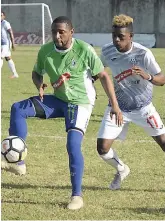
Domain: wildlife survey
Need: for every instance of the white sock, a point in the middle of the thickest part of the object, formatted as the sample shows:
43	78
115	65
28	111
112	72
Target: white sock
1	63
12	67
112	159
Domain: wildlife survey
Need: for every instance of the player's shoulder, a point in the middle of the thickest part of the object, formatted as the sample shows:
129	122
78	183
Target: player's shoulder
108	47
48	47
5	22
142	50
82	44
138	46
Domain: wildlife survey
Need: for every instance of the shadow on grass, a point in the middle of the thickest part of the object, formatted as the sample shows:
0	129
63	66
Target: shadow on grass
28	186
60	204
56	119
5	111
149	210
141	210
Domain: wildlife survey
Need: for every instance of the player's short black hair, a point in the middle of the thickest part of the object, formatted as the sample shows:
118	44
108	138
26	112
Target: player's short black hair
63	19
2	12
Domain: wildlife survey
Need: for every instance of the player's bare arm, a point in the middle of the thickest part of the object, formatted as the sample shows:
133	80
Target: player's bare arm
109	89
12	38
158	79
38	82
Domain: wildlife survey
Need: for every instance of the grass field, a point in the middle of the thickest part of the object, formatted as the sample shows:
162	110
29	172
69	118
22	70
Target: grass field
44	192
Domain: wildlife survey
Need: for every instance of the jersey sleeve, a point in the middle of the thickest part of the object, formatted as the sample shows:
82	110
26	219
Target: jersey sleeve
102	57
7	26
39	65
94	62
150	63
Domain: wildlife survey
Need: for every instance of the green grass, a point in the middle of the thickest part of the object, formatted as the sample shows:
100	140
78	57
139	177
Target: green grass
44	192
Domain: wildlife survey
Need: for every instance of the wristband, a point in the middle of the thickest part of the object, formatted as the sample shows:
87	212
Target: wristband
150	78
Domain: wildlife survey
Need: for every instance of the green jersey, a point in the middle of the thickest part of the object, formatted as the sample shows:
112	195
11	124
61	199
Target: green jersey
70	71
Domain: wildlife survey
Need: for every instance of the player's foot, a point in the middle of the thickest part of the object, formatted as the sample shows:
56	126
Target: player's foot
119	177
14	76
75	203
16	168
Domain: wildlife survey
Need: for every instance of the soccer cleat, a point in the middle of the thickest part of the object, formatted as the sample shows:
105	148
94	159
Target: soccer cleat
16	168
14	76
75	203
119	177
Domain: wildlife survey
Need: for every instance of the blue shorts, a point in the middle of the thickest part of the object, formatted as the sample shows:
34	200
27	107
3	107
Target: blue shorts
76	116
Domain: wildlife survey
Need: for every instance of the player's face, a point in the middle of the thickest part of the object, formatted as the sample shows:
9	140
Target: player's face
2	17
62	35
122	39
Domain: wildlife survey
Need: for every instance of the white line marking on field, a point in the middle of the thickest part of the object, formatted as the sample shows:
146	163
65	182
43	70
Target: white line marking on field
86	138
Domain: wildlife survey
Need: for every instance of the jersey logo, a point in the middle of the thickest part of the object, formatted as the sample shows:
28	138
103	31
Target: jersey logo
133	60
123	75
64	77
113	59
73	63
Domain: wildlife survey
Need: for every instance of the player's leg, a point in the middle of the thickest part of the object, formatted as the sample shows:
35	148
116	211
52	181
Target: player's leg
150	120
3	53
108	132
11	65
76	166
32	107
1	62
76	118
18	127
160	140
22	110
6	53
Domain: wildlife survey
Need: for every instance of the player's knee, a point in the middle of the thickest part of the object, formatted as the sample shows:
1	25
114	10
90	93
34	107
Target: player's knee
15	107
20	108
16	110
103	146
7	58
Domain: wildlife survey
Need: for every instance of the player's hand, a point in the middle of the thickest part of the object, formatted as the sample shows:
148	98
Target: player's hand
118	115
41	91
13	47
139	71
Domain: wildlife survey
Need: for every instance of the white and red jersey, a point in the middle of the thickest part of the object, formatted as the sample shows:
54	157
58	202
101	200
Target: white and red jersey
5	37
133	92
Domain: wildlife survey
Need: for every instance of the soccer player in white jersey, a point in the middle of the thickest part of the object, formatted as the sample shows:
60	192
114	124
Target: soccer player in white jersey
71	64
7	41
134	72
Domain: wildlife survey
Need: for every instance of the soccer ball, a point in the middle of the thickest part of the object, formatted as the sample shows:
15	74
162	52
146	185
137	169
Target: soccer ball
13	149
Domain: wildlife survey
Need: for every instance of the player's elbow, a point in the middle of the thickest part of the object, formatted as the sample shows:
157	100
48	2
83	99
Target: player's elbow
162	82
103	75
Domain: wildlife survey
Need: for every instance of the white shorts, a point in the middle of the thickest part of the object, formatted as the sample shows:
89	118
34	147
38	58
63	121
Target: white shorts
5	51
83	116
148	118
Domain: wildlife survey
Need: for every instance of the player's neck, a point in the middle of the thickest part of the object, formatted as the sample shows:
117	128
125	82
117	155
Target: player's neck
66	48
127	49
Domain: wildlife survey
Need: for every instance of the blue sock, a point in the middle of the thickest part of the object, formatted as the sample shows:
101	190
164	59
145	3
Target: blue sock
76	161
19	112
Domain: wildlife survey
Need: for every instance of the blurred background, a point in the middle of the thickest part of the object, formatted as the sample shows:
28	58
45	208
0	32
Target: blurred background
92	18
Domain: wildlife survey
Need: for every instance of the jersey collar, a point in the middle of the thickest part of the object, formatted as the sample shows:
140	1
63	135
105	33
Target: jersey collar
127	52
64	51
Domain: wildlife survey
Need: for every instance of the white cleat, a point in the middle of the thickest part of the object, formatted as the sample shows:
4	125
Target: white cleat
75	203
16	168
14	76
119	177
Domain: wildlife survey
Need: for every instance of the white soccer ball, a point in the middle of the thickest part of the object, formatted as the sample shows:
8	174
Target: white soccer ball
13	149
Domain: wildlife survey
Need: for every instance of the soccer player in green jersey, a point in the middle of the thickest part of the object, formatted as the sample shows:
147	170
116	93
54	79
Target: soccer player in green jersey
71	65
